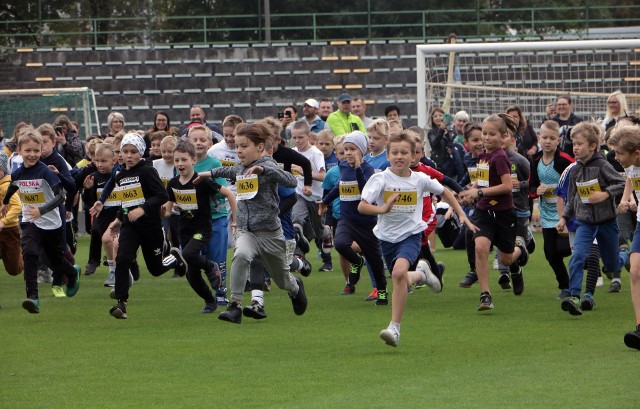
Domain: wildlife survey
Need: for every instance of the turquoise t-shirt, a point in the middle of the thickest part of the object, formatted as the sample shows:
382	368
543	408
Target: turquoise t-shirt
548	207
331	179
378	162
218	207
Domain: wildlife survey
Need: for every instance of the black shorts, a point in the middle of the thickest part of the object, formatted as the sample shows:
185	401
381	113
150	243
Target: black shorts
498	226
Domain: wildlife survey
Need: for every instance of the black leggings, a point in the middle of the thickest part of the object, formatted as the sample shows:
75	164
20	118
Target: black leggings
192	253
556	248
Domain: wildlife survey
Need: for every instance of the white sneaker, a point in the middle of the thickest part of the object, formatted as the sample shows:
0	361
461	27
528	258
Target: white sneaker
390	335
600	282
495	264
429	278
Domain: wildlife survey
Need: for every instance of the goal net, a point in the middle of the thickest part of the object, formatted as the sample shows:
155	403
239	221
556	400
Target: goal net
38	106
486	78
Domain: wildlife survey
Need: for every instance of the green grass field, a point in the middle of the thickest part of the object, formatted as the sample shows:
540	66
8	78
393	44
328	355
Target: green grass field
525	353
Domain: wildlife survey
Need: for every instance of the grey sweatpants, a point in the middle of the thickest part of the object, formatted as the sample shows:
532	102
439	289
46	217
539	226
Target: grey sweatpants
271	247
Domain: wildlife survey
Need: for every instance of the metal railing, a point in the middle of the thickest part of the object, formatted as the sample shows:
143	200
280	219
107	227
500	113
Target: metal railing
376	25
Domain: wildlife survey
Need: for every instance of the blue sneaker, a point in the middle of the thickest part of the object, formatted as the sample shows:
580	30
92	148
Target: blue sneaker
587	303
73	289
32	305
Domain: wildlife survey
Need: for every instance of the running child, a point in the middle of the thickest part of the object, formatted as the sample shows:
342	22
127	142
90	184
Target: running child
353	226
167	171
625	140
201	137
9	230
42	226
546	168
593	185
400	225
192	201
142	194
495	215
259	230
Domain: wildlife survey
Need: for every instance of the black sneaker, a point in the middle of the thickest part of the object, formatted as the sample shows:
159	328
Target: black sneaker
571	305
90	268
354	271
504	281
632	339
531	245
306	266
255	311
486	302
348	289
326	267
470	279
299	301
119	310
181	268
209	308
232	314
615	287
382	298
524	256
518	282
212	271
301	240
439	274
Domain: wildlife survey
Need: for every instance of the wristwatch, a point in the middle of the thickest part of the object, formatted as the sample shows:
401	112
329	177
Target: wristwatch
480	194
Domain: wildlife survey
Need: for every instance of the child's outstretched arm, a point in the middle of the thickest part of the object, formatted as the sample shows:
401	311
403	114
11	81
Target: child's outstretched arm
448	197
367	208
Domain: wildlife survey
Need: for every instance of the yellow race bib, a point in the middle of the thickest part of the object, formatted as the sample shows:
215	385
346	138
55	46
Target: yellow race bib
34	198
186	199
247	187
349	191
406	202
131	195
586	188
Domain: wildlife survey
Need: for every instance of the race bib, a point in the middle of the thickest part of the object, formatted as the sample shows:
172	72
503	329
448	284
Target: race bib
406	202
349	191
32	198
131	195
473	174
514	178
227	162
634	177
114	198
586	188
247	187
186	199
482	172
549	195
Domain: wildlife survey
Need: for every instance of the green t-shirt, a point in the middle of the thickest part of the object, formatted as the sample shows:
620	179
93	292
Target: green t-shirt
218	206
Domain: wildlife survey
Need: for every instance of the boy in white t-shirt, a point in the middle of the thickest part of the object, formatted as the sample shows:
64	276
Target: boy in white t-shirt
399	192
166	171
305	211
225	152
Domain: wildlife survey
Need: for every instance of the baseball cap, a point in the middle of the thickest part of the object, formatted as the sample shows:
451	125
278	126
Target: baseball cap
344	97
312	103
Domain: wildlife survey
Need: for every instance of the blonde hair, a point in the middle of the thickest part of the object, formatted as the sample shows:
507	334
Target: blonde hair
48	131
404	136
552	126
623	106
338	139
591	131
92	146
326	133
103	148
626	137
274	126
169	140
28	134
231	121
202	128
381	126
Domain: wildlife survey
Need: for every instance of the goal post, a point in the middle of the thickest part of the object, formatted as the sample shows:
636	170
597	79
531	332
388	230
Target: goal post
41	105
495	75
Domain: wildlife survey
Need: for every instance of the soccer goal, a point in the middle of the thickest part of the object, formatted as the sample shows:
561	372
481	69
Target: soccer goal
486	78
37	106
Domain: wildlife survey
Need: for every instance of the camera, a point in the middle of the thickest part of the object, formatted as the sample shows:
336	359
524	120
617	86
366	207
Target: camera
58	129
280	115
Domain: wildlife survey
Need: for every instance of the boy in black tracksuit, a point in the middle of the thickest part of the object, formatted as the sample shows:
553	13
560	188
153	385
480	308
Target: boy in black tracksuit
142	194
193	201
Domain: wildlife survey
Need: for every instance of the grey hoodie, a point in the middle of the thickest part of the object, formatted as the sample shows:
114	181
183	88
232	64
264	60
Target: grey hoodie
261	212
609	180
